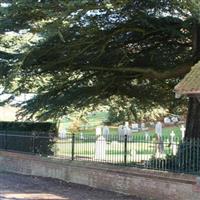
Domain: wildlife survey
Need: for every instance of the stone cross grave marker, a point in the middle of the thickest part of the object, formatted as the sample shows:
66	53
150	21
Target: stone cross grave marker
172	135
182	131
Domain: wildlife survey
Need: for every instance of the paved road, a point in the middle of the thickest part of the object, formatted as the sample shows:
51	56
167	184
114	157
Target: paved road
18	187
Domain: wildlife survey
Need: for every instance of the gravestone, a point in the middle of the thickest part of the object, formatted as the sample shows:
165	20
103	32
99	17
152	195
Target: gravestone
172	136
174	148
147	137
98	131
158	129
182	131
62	134
126	130
174	119
173	143
81	136
106	132
167	120
135	127
143	127
126	124
100	148
120	132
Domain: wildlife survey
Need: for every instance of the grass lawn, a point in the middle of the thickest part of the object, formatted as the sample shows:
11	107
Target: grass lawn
93	120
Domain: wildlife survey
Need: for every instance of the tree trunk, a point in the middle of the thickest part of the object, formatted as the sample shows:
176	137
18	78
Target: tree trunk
193	119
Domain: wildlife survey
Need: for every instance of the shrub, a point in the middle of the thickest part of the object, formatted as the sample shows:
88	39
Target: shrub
30	137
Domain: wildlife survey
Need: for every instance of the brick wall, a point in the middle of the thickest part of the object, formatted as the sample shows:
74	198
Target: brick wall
143	183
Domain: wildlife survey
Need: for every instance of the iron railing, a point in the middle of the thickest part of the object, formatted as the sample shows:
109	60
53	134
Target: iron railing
166	154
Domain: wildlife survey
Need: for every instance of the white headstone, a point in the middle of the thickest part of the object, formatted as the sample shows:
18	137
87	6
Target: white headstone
100	148
62	134
81	136
126	124
143	127
174	149
174	119
146	135
158	129
183	131
172	135
135	127
167	120
98	131
120	132
106	131
127	130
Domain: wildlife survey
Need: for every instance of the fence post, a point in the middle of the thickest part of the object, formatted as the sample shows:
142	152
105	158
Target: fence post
73	144
6	145
125	149
34	149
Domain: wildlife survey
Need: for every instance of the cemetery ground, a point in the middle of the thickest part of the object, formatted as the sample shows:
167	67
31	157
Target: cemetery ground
20	187
139	148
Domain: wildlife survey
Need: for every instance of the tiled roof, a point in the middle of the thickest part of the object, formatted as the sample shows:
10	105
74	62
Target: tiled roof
191	83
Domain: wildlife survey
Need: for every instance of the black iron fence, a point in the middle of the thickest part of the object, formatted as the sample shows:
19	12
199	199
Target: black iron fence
171	154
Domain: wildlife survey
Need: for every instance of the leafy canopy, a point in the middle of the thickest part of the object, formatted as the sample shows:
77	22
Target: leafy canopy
77	54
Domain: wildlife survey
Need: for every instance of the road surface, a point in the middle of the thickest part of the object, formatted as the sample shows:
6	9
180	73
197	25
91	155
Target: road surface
19	187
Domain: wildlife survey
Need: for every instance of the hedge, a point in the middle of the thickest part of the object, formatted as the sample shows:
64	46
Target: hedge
29	137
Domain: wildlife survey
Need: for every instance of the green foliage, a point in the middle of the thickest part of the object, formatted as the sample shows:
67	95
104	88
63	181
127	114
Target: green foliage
38	128
85	52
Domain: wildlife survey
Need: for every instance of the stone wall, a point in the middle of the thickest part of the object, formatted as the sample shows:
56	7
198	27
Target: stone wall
140	182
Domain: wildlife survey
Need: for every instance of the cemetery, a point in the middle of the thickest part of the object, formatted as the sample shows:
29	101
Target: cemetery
123	146
100	99
107	147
